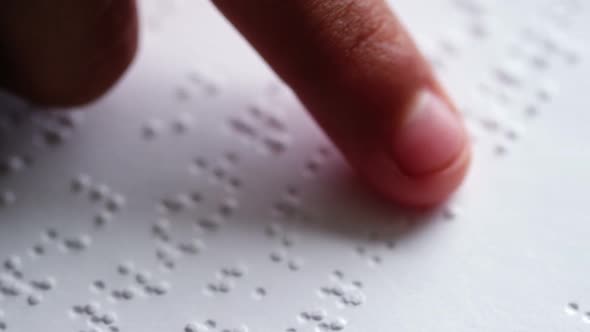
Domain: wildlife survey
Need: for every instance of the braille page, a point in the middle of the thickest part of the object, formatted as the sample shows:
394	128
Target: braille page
199	196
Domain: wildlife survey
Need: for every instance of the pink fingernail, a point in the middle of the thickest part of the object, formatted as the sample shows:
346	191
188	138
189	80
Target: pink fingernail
430	138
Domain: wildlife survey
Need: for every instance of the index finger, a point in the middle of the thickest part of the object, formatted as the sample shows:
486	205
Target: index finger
358	72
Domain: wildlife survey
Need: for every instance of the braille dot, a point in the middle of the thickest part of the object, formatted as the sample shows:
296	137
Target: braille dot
196	197
232	157
260	292
295	265
92	308
34	300
182	123
201	163
338	324
102	218
192	248
51	234
151	129
77	244
235	182
81	182
109	318
211	323
115	202
125	268
176	204
500	150
44	285
242	128
13	263
274	146
317	314
99	285
277	256
78	309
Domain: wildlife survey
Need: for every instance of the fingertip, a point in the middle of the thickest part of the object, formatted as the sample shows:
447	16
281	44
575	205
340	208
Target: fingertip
383	174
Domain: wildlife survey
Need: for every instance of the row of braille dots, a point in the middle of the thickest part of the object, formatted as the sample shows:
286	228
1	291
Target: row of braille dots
504	86
282	256
226	279
261	129
168	251
110	202
219	172
319	317
96	318
318	158
174	206
449	46
178	125
212	325
67	244
198	82
13	283
288	205
8	166
384	240
142	284
54	129
574	309
546	47
346	293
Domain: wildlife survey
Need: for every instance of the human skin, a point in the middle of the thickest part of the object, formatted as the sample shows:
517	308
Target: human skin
351	63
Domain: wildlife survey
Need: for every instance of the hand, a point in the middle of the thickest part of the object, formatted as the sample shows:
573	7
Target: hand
350	62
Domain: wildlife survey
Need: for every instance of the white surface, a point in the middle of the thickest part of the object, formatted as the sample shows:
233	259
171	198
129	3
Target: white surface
282	238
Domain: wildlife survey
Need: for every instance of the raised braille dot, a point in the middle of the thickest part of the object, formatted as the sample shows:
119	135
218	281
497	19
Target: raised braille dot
115	202
77	244
44	285
317	314
211	323
192	248
81	182
51	234
34	299
260	292
338	324
151	129
277	256
109	318
102	218
99	192
13	263
91	308
99	285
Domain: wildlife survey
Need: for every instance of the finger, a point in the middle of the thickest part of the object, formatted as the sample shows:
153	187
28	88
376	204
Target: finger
65	52
360	75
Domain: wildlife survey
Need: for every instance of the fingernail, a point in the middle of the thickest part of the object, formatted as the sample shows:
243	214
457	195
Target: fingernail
430	137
